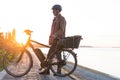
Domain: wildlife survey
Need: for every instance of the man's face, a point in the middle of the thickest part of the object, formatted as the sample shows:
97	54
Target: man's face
56	12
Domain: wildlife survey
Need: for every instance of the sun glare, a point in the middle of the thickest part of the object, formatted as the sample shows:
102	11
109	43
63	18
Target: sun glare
21	38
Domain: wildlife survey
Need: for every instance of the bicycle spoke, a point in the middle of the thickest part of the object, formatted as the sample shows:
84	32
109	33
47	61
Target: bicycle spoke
62	68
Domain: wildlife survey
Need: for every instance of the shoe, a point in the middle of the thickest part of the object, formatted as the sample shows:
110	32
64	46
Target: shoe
58	73
45	72
54	74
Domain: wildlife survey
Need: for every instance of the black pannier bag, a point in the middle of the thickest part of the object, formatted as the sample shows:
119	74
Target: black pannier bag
71	42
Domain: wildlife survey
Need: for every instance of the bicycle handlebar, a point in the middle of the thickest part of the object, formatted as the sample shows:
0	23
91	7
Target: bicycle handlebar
28	32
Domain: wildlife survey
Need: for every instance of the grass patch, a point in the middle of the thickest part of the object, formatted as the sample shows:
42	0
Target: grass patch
8	46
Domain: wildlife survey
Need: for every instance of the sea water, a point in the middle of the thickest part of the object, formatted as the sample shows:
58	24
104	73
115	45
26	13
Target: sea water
106	60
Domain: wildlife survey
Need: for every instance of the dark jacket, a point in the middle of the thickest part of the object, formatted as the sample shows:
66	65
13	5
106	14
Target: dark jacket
58	28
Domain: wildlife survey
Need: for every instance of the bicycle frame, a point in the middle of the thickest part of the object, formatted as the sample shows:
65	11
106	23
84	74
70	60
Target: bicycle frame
29	43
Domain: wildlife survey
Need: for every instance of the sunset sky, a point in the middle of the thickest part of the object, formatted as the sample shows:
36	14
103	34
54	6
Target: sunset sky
98	21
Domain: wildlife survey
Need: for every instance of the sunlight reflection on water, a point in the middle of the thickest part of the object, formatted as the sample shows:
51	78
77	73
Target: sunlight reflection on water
102	59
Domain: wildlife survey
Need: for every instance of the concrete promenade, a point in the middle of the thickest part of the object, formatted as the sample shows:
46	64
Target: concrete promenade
81	73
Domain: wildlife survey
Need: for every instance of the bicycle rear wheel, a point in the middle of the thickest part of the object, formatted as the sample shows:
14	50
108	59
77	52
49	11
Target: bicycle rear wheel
18	66
67	64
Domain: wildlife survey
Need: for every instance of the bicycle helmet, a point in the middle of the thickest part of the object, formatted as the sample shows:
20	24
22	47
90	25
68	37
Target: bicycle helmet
57	7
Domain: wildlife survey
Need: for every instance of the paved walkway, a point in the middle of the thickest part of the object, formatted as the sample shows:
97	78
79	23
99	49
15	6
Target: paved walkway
81	73
2	74
33	74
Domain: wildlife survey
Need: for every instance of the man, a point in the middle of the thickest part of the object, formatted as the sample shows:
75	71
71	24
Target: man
58	25
57	31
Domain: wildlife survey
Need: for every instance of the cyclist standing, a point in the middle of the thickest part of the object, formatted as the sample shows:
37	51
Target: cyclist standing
58	29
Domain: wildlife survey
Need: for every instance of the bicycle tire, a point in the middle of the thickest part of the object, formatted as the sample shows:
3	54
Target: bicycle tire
69	66
17	68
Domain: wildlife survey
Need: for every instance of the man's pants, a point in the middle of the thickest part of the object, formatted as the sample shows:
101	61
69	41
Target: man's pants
53	49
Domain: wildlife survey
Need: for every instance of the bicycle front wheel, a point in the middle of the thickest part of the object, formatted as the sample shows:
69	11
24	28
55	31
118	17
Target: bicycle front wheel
65	65
19	64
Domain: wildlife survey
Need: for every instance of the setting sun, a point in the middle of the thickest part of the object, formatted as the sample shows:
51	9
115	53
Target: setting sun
21	38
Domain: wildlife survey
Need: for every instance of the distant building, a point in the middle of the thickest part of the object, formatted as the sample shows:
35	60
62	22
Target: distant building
13	35
1	35
8	35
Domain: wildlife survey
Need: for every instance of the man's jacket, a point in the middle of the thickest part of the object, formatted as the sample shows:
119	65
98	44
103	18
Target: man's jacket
58	28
